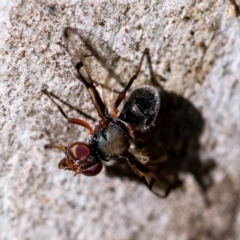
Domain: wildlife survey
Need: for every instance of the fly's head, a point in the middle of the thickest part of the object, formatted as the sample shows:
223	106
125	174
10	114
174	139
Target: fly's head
80	160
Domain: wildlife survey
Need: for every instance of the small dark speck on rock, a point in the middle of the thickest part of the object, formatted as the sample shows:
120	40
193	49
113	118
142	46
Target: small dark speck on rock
71	204
51	9
112	189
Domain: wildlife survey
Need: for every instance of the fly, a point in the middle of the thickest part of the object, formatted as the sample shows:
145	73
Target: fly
115	131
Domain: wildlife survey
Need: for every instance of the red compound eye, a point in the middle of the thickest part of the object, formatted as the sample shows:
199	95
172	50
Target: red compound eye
78	151
93	170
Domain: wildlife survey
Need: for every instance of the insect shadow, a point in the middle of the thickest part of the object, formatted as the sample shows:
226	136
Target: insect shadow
176	134
175	142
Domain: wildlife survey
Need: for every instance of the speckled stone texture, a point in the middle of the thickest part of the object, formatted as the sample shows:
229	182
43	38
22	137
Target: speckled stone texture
195	53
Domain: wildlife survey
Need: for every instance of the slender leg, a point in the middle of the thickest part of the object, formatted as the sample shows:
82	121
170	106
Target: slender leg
124	91
72	107
62	148
97	101
106	87
78	110
152	75
132	162
71	120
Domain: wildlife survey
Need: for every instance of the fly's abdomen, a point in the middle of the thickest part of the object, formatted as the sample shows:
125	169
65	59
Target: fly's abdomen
141	108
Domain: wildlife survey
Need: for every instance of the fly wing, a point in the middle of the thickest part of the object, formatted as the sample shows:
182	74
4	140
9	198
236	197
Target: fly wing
83	48
141	108
154	176
159	186
77	46
87	48
159	174
159	180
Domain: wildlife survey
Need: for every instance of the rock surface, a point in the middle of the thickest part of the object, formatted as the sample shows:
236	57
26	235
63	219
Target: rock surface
195	54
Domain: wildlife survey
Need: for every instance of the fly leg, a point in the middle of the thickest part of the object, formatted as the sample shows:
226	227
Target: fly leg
89	83
154	81
124	91
71	120
72	107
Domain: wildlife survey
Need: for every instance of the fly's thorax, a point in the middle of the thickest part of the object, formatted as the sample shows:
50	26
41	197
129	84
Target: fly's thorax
111	141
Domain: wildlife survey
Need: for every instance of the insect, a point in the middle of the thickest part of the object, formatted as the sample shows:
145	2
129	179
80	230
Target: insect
114	132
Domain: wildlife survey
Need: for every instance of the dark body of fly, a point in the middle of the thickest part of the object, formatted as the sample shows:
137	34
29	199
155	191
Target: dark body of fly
114	139
141	108
111	141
